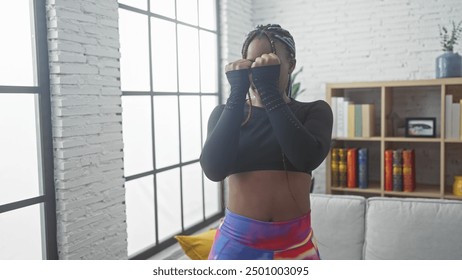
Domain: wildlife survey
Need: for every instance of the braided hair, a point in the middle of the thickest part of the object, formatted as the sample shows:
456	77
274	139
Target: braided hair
272	32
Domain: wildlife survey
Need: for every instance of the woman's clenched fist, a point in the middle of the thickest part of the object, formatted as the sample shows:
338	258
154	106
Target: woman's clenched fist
266	60
238	65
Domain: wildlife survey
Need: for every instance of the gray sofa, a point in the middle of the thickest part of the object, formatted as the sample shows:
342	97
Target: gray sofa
353	227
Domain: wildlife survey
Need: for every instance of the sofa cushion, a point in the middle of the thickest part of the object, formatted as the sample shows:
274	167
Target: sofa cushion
405	228
338	225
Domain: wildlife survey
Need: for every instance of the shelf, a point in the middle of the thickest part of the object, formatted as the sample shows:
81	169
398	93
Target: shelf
428	191
437	159
374	188
451	196
452	141
357	139
410	139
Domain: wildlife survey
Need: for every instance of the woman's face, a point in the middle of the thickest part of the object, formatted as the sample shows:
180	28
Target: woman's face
260	46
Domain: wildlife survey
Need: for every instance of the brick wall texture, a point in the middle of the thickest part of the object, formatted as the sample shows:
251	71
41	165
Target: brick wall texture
87	128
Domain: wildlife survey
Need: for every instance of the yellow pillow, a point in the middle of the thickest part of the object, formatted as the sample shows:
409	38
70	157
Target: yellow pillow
197	247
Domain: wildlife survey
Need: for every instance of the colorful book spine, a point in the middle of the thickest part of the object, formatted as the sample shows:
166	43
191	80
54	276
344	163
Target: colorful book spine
448	117
408	170
333	106
342	168
335	167
368	120
340	117
388	170
397	170
352	178
363	176
456	120
351	120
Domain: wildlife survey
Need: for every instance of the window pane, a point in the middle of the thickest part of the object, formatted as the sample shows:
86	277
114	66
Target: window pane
17	38
207	14
169	201
19	161
163	7
167	138
212	197
188	58
209	70
134	49
21	234
190	128
192	194
208	104
137	134
164	74
140	4
139	196
187	11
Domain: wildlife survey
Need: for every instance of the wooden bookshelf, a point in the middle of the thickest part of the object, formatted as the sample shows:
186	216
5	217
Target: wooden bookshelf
438	159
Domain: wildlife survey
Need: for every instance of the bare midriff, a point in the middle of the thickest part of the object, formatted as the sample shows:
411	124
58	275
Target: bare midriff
269	195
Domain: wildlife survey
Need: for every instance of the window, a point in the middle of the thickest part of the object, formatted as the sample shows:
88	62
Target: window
169	79
27	200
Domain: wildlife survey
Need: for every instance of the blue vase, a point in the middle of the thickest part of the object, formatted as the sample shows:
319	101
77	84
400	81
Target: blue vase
448	65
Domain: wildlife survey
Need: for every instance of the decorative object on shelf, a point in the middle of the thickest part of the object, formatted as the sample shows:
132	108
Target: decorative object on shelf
420	127
449	63
457	186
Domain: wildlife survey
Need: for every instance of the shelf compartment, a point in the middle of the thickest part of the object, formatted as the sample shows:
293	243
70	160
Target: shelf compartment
407	102
453	165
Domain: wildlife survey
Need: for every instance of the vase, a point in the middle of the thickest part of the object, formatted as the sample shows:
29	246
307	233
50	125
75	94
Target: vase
448	65
457	186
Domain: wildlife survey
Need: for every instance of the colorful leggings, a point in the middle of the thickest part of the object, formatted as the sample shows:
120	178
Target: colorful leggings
242	238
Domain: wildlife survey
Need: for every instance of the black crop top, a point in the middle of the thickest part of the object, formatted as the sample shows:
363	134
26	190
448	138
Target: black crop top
291	136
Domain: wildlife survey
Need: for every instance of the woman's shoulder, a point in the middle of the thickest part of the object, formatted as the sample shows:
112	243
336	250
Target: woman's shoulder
317	105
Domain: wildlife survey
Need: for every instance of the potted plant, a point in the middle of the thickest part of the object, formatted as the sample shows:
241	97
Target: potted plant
295	86
449	63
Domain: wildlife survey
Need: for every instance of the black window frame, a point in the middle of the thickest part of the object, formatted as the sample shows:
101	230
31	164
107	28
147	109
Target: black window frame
42	89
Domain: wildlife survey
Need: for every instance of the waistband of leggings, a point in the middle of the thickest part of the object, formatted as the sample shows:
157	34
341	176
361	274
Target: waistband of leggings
279	235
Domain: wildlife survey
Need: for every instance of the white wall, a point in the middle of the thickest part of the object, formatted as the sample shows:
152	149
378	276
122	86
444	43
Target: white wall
87	129
359	40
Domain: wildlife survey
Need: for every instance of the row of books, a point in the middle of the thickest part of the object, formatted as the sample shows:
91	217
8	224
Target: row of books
349	167
352	120
453	127
400	170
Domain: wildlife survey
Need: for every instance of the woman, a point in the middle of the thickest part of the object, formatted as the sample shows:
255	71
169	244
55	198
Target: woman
267	146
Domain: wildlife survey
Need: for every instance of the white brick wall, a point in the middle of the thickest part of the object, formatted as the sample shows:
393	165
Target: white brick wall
87	131
359	40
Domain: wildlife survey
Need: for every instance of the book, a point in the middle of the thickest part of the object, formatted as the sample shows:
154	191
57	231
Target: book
352	178
333	106
358	120
342	168
408	170
334	167
363	174
448	117
351	120
397	170
388	170
340	117
368	120
460	119
456	120
346	105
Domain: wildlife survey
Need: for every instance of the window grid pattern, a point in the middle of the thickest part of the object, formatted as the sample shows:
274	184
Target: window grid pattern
182	166
40	89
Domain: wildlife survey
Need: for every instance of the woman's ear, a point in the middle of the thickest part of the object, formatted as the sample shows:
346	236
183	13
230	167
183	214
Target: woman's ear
292	65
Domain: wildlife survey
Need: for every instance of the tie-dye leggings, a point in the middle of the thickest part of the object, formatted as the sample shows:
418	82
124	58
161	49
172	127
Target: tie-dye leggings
242	238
